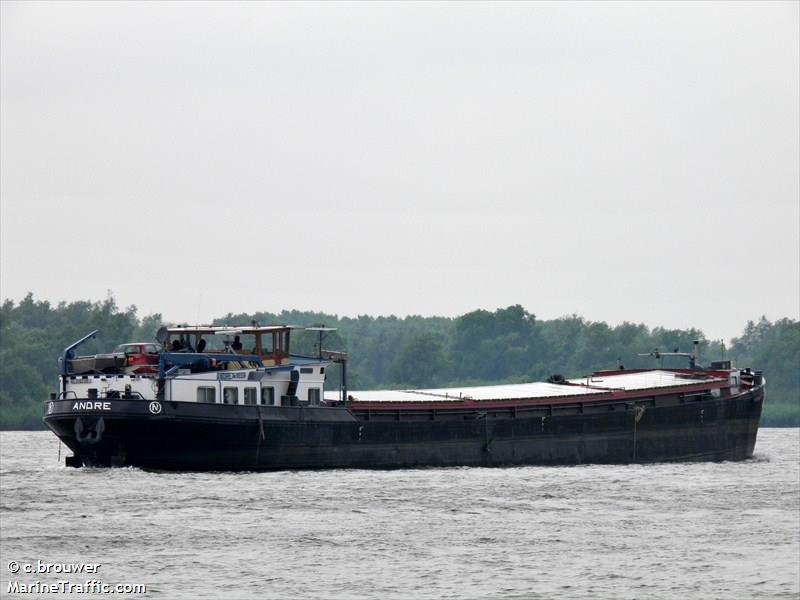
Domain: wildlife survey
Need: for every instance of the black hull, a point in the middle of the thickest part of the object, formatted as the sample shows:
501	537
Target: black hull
190	436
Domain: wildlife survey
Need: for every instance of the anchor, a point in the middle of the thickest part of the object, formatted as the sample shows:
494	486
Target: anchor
86	435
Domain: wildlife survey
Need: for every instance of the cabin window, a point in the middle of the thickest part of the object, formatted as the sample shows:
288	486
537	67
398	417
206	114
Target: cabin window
313	395
244	343
207	395
267	343
285	344
214	342
321	370
250	395
230	395
306	370
268	395
186	344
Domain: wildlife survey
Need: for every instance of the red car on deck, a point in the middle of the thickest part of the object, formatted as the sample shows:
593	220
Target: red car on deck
140	357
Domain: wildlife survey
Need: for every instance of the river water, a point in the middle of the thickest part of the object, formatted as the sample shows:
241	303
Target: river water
699	530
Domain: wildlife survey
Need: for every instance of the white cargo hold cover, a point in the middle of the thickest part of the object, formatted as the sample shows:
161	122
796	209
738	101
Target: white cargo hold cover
519	391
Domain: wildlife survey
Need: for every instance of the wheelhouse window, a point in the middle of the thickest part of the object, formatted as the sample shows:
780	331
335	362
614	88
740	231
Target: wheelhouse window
268	396
267	342
285	344
180	344
250	395
213	342
230	395
244	343
207	395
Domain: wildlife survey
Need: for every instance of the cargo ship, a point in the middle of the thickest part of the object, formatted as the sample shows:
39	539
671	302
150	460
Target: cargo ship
225	398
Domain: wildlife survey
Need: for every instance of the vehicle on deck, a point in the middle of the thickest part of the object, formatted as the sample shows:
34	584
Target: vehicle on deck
140	357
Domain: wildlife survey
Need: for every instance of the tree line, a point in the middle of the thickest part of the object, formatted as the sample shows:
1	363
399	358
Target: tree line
508	345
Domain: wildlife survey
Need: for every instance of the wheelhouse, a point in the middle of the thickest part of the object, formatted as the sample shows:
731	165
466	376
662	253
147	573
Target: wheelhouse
270	343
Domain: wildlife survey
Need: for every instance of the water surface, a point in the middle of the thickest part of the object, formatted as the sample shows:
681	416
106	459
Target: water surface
694	530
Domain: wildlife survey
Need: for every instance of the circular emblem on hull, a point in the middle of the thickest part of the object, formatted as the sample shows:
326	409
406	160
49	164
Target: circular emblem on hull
155	407
50	406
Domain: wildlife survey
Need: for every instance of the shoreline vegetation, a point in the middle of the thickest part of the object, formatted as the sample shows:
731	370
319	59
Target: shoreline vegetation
508	345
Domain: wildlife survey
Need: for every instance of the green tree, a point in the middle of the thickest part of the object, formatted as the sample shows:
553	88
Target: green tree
420	362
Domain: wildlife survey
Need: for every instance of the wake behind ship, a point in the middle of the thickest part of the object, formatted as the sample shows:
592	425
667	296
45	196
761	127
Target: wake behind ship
223	398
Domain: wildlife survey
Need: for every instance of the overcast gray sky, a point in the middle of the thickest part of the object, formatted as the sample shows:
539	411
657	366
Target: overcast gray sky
623	161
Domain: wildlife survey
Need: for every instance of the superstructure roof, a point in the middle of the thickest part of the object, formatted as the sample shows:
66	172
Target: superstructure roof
227	328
